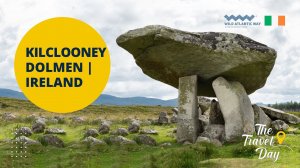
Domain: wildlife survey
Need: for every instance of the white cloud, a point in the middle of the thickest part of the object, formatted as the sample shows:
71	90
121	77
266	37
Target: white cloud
114	17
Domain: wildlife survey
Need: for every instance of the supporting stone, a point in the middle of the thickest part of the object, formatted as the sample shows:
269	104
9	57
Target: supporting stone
236	108
188	125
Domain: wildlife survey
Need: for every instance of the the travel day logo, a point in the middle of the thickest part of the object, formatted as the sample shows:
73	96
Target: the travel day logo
264	141
246	21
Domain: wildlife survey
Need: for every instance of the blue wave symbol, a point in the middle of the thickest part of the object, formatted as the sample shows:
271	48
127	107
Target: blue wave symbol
242	18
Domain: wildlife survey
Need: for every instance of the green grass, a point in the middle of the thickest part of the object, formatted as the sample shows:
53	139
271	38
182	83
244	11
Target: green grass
79	155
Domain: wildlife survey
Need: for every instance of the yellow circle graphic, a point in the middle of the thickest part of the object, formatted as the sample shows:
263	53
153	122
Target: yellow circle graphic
62	65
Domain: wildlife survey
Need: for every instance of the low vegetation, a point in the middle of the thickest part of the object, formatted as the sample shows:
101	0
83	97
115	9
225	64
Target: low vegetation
79	155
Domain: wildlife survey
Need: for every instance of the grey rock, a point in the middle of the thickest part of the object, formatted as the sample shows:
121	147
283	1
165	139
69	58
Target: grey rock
104	127
236	108
149	131
23	131
260	117
163	118
25	141
145	140
185	143
8	116
120	140
204	119
78	120
281	115
202	139
175	110
165	54
93	141
214	131
173	119
51	140
91	133
279	125
55	131
166	144
204	103
216	142
59	119
134	127
40	119
121	131
215	115
38	127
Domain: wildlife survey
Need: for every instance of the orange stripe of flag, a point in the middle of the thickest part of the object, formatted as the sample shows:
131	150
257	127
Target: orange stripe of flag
281	20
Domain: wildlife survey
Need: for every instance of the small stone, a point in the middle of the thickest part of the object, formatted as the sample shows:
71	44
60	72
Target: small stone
8	117
163	119
166	144
26	141
93	141
120	140
175	110
214	131
104	127
23	131
51	140
134	127
187	143
149	131
91	133
78	120
279	125
145	140
55	131
38	127
202	139
173	119
121	131
216	142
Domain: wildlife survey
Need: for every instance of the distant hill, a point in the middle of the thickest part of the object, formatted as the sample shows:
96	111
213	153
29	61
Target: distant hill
12	94
106	99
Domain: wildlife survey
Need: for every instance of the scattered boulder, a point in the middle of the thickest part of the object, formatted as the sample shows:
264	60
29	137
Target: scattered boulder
236	108
279	125
51	140
260	117
280	115
215	115
60	119
175	110
91	133
26	141
8	117
214	131
173	119
202	139
31	117
149	131
163	119
166	144
121	131
78	120
38	127
53	121
119	140
93	141
41	120
104	127
134	127
216	142
203	103
55	131
23	131
145	140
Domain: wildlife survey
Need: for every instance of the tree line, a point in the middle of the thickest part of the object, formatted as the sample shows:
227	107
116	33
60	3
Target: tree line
287	106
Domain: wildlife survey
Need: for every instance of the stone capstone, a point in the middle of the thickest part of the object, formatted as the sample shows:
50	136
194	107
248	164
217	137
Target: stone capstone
166	54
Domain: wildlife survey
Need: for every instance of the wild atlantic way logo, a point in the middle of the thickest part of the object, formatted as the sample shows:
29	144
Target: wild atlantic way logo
241	21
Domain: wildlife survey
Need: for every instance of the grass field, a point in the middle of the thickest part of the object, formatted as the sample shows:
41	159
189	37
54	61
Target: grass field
79	155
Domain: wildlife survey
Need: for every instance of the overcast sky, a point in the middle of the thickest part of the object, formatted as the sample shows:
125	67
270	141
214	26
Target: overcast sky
114	17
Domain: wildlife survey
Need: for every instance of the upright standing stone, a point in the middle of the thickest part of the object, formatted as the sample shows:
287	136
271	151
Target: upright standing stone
236	108
188	125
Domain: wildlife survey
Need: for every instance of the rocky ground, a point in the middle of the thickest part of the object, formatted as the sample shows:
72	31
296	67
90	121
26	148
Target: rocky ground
110	136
